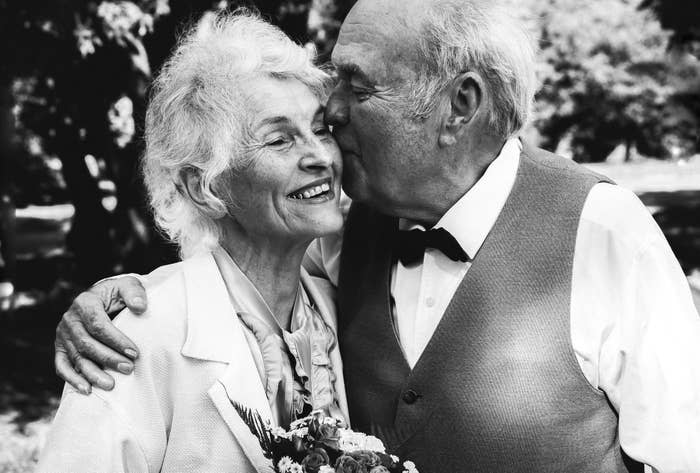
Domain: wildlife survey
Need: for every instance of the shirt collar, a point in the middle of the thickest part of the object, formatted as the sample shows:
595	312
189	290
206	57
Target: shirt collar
471	218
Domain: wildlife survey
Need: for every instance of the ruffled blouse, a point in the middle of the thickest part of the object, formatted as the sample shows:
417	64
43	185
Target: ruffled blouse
294	365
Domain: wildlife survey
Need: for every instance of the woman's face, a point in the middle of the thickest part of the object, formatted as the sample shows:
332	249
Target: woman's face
291	189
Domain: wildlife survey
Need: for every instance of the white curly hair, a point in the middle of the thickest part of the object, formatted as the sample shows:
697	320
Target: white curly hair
196	119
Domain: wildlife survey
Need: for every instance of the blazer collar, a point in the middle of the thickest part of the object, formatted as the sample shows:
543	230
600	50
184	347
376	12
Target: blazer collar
211	318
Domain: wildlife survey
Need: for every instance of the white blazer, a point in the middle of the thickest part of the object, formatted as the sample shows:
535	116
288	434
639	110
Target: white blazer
174	413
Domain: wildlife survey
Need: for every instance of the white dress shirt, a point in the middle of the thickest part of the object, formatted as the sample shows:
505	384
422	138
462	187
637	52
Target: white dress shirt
634	328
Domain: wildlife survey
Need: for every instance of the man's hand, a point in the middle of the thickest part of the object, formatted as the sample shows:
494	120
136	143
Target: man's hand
86	339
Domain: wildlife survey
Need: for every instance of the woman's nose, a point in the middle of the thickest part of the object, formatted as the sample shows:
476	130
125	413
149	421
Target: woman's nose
317	157
337	109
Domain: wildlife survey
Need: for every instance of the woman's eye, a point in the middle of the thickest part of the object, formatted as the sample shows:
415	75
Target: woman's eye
278	142
322	131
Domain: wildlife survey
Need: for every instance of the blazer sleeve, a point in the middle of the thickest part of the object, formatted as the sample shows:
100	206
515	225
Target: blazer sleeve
90	435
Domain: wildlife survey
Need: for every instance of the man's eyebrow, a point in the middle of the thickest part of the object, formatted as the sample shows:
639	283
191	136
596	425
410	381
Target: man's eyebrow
352	70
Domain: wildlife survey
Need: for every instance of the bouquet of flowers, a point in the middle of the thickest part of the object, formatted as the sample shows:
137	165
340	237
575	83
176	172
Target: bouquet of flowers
322	444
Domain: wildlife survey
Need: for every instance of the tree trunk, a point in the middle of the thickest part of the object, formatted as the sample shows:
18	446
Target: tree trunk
7	207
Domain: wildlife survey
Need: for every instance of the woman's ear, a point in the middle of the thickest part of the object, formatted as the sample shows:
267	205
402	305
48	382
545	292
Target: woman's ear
466	95
191	186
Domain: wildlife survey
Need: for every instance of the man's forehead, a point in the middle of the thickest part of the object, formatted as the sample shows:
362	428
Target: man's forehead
388	13
373	36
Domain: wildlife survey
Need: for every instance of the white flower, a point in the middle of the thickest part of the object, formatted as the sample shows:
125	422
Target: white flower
162	8
326	469
394	458
410	467
278	432
296	468
301	432
285	465
86	47
351	441
332	421
374	444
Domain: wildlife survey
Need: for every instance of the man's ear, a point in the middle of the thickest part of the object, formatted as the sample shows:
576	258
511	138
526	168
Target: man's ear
466	95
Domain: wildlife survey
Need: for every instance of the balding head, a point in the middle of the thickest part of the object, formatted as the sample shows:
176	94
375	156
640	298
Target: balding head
440	39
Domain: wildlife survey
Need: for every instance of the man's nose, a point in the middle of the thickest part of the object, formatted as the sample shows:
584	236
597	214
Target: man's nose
337	109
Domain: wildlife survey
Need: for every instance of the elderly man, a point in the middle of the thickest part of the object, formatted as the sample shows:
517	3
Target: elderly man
501	308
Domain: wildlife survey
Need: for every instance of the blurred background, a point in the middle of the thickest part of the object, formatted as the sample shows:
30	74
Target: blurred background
620	92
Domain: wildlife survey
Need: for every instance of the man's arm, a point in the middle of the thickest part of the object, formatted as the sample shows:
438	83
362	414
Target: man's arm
87	341
656	386
635	330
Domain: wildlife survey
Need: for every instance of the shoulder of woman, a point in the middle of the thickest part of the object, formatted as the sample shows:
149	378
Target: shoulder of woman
172	292
164	322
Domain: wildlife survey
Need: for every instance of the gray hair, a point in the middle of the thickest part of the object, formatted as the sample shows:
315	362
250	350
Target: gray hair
480	36
196	121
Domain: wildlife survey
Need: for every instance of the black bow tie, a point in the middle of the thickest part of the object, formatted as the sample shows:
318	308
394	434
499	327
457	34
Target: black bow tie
410	245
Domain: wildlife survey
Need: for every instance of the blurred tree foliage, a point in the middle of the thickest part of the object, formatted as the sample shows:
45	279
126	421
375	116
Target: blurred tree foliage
611	75
682	17
74	77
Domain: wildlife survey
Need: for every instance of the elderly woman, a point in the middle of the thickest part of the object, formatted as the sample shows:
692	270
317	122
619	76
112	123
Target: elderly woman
243	175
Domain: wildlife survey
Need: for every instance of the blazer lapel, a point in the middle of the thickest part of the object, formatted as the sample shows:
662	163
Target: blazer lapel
239	384
214	333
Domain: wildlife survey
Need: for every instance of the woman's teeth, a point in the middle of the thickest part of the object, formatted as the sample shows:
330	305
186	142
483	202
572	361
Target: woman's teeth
312	192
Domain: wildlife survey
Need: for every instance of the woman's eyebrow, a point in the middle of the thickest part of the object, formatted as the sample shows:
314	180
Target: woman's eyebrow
277	120
320	111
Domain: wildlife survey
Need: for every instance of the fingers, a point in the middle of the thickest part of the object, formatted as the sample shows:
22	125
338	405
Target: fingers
119	291
93	349
90	329
75	368
80	338
89	370
64	369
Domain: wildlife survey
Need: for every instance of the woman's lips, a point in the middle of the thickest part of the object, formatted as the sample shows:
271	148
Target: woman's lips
320	189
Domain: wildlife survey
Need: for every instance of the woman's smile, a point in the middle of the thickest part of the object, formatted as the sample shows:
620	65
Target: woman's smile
317	192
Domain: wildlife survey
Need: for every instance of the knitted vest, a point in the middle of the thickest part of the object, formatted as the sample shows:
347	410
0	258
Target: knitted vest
498	387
